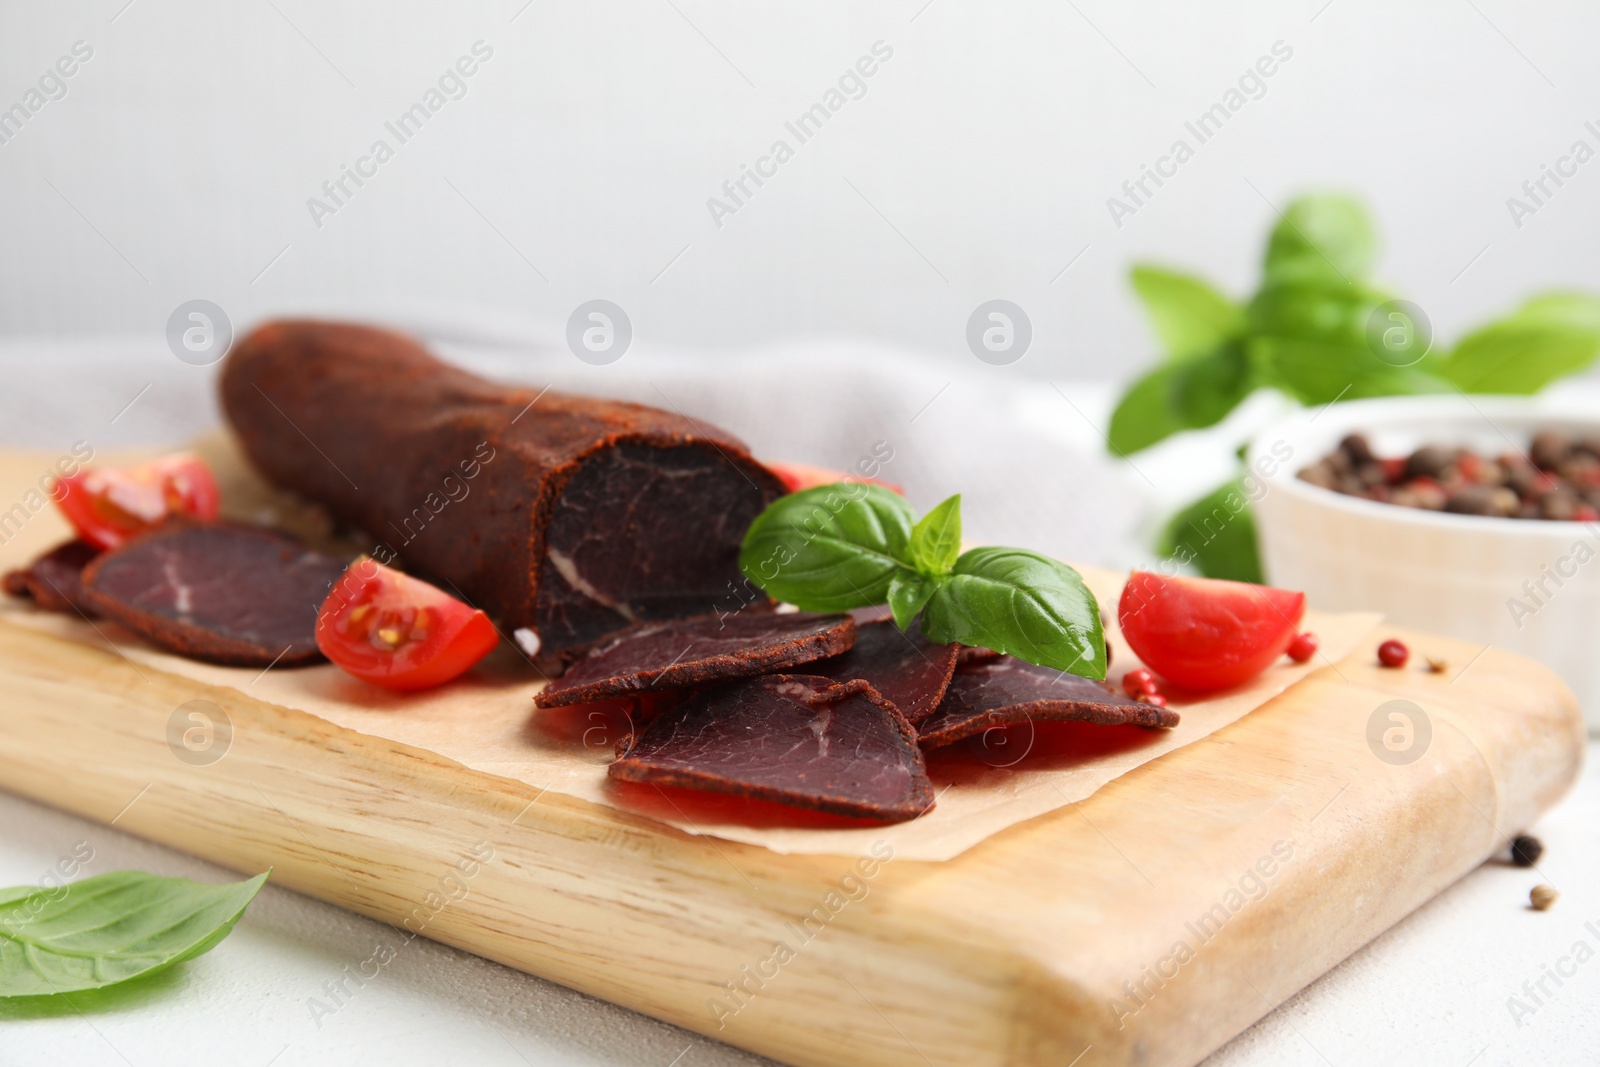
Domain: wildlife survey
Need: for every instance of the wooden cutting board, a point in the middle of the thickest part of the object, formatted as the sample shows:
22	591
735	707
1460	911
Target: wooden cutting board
1145	925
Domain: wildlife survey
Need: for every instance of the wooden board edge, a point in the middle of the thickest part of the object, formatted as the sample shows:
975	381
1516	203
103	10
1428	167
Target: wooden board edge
563	888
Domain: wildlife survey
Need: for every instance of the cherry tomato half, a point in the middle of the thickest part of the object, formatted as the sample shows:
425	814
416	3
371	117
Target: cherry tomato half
1205	633
399	632
108	505
798	476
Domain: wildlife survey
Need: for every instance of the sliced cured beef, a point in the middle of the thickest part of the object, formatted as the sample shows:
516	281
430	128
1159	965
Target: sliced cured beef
875	613
54	581
236	595
1004	690
606	727
567	517
908	670
801	740
697	651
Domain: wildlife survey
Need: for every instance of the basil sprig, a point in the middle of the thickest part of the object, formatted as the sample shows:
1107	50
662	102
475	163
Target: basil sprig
108	929
853	545
1306	332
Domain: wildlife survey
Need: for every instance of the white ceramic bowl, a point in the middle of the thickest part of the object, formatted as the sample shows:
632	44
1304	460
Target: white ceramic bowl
1531	586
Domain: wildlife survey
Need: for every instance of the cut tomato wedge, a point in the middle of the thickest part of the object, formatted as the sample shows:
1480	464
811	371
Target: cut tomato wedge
108	505
399	632
1205	633
798	476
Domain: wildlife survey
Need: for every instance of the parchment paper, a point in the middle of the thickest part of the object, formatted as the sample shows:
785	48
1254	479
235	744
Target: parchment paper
486	722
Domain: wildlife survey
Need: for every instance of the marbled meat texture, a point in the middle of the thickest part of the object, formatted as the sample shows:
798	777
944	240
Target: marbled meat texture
800	740
1005	690
236	595
687	652
907	669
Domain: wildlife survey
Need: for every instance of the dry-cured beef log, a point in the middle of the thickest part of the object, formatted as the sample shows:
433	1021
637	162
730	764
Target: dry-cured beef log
708	648
565	517
801	740
237	595
1005	690
54	581
908	670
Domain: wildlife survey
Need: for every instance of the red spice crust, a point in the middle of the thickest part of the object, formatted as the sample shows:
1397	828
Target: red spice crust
369	423
54	581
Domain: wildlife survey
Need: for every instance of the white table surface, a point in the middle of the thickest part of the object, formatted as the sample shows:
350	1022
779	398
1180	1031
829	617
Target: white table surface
1435	989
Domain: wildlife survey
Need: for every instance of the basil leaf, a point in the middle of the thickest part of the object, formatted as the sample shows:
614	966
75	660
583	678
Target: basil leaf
1550	336
1217	534
1311	342
1329	311
830	548
1181	396
110	928
1145	414
936	540
1190	316
1317	372
908	594
1021	602
1206	390
1326	239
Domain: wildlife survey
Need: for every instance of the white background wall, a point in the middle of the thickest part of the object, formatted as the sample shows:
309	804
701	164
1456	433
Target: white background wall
977	165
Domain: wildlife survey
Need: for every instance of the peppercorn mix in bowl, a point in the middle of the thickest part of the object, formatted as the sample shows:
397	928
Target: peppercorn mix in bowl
1556	477
1442	513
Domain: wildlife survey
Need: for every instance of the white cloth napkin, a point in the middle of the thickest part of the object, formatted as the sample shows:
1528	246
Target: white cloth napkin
1026	454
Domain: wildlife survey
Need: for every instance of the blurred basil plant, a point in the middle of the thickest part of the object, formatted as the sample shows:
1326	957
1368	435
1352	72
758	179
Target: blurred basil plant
1318	330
